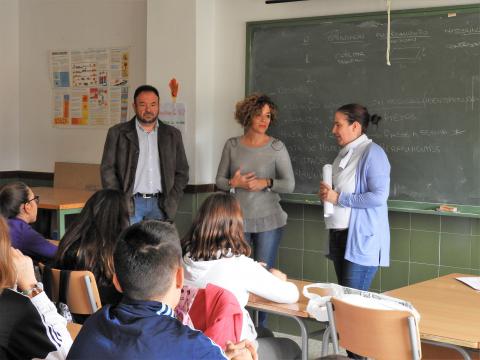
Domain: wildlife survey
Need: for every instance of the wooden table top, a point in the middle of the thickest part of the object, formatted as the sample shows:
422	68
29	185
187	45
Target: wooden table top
61	198
298	309
449	310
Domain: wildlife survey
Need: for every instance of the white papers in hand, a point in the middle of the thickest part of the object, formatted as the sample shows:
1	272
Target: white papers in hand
327	178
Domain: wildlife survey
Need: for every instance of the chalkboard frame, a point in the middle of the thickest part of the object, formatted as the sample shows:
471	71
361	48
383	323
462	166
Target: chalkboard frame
468	211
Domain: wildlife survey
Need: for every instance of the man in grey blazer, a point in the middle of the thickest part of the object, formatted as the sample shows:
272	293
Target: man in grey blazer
145	159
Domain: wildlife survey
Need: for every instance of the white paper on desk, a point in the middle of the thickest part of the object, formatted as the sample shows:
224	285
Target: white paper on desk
327	178
472	281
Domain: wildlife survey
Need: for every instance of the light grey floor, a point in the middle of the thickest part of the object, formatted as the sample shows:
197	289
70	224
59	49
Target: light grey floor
314	345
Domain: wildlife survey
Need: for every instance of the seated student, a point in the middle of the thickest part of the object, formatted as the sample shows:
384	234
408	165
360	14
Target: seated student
90	241
215	252
30	326
149	273
20	205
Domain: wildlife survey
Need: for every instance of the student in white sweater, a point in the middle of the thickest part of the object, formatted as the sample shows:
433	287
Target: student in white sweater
216	252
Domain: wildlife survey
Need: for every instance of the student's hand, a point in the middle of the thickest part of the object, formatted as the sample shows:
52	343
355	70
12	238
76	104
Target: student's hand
277	273
252	349
243	350
241	181
327	194
24	267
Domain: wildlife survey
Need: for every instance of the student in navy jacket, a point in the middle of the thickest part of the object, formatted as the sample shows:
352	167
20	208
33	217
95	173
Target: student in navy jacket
148	271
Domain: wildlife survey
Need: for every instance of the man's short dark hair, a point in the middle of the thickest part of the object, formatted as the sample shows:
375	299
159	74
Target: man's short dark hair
144	88
146	257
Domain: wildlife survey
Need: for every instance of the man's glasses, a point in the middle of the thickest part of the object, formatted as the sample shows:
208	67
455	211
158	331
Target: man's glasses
36	198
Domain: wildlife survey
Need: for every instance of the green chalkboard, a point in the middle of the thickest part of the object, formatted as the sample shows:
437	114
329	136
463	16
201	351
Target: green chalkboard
429	97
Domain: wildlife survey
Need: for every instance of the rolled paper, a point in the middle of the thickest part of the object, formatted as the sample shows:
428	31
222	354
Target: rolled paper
327	178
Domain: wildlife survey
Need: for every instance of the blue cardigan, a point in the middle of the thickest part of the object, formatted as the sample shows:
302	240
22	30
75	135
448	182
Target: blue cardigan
368	241
136	329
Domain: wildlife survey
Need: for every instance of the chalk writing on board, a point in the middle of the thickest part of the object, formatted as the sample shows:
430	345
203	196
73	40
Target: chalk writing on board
467	30
463	44
419	33
426	100
411	148
407	54
350	57
396	117
336	36
429	97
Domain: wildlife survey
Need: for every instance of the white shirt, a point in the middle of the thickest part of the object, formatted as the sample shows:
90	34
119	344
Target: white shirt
240	275
147	177
344	169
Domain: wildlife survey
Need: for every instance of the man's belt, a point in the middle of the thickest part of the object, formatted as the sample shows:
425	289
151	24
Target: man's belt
148	196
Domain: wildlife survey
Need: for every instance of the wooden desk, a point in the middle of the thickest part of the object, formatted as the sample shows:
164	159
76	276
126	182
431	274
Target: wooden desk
297	311
64	201
449	310
73	329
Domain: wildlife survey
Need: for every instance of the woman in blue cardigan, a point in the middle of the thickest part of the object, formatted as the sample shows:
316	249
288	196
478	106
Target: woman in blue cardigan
359	230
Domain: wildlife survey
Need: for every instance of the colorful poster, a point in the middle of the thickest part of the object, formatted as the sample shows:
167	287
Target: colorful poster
61	107
173	113
60	65
90	87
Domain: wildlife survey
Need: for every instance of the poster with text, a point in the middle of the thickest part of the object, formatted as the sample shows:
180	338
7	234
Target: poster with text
90	87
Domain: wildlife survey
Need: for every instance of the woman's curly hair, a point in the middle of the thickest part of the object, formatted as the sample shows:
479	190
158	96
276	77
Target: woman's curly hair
252	106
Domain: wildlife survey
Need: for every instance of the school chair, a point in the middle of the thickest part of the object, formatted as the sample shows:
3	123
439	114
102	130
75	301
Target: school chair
376	333
78	289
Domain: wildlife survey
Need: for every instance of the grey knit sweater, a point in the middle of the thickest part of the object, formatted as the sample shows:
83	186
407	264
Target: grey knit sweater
261	209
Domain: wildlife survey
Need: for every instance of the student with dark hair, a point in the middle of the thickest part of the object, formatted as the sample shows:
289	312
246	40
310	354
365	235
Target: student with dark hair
359	229
215	252
19	205
145	159
30	326
148	271
90	241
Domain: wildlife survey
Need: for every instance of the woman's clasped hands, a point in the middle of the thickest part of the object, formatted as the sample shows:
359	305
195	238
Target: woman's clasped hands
248	181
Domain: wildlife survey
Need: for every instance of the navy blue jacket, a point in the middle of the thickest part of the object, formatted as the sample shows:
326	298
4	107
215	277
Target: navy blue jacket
140	330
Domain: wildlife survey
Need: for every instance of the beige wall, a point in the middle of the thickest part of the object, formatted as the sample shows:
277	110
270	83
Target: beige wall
9	85
67	24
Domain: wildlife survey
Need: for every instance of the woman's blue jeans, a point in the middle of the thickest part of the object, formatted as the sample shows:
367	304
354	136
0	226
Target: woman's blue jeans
348	273
264	249
265	245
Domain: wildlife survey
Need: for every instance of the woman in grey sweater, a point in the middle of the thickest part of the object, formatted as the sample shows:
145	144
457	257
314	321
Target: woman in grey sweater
256	167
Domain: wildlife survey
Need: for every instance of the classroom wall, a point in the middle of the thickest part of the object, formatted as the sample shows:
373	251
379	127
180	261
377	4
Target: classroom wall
422	246
9	85
171	52
68	24
213	32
